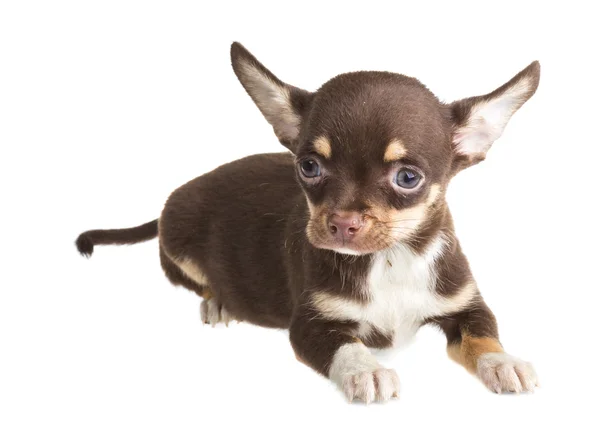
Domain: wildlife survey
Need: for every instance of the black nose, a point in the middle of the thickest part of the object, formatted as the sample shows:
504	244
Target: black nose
345	224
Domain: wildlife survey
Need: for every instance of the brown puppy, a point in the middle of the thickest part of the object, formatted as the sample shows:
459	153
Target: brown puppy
348	241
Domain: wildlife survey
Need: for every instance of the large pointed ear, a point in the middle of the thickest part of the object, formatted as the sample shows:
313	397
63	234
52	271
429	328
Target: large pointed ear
283	105
479	121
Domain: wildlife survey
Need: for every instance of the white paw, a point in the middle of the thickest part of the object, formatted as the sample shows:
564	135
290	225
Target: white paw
360	376
501	372
211	312
379	385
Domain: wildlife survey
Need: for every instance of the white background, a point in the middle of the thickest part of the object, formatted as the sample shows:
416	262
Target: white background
106	107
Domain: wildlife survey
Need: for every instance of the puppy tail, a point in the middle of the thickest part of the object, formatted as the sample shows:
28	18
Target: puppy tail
86	241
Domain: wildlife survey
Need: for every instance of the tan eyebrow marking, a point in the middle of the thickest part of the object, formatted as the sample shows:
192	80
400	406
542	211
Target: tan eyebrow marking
395	151
323	147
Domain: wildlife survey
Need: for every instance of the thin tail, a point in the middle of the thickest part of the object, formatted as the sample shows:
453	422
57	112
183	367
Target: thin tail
86	241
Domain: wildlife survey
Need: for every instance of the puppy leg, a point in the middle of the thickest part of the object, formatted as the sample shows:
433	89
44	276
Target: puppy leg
328	347
473	342
211	310
178	277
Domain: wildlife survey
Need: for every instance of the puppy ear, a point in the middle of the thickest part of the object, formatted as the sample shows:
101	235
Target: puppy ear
479	121
283	105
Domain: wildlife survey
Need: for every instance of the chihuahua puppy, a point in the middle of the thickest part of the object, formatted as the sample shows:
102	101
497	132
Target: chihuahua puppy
347	242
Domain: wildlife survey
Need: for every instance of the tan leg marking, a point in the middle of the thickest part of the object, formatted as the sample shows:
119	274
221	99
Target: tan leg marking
470	349
207	293
499	371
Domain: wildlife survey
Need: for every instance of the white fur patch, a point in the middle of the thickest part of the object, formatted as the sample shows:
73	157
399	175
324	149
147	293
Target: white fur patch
501	372
359	375
401	289
488	119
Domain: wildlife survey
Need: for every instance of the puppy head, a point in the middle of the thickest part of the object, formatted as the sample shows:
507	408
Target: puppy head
375	150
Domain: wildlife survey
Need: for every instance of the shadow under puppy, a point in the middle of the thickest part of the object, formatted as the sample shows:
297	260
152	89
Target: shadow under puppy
348	241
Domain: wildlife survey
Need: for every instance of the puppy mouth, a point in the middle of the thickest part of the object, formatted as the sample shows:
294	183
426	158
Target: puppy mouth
351	248
348	249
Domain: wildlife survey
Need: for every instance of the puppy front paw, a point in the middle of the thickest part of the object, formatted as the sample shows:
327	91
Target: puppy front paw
381	385
501	372
359	375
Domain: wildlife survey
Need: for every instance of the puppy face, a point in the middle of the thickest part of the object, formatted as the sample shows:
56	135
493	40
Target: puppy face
373	159
374	151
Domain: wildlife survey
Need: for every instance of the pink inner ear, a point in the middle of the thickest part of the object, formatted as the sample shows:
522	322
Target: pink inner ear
458	138
489	115
474	139
485	124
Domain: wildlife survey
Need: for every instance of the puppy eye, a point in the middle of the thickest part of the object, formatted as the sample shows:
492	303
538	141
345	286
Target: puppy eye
407	178
310	168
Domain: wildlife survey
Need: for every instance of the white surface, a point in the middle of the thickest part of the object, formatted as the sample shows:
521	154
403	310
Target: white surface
106	108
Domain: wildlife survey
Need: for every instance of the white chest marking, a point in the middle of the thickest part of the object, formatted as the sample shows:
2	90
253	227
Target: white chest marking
401	287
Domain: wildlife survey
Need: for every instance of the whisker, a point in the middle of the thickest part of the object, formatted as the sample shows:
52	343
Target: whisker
400	220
